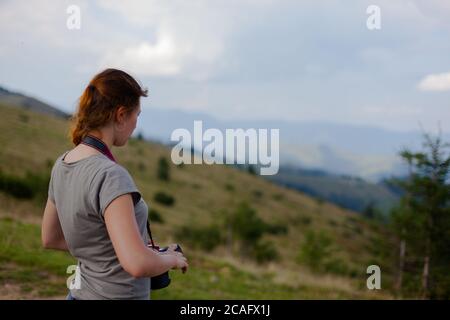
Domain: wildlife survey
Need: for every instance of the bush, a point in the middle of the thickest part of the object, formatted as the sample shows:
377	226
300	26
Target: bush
32	185
315	250
336	266
278	196
247	225
257	193
141	166
15	186
24	117
38	183
229	187
306	220
164	198
264	251
163	169
206	238
277	229
154	216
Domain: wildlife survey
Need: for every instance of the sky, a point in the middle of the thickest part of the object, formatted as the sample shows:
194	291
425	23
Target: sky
242	59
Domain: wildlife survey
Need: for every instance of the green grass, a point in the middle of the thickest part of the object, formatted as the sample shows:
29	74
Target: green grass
26	263
34	269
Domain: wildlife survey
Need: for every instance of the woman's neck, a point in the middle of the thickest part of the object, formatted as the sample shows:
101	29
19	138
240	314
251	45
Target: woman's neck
103	135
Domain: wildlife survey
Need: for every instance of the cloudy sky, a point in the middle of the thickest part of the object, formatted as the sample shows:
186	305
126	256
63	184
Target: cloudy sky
263	59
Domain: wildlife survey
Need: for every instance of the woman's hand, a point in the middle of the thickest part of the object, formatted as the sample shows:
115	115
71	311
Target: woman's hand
180	259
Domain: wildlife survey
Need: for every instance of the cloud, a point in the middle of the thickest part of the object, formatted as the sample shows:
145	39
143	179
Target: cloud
162	58
435	82
177	39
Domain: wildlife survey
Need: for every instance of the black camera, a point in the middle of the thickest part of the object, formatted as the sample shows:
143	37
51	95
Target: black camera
163	280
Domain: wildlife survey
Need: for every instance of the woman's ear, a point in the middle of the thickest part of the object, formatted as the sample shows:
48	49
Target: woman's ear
121	115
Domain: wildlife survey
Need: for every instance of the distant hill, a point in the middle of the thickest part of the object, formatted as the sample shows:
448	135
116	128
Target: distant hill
363	151
346	191
20	100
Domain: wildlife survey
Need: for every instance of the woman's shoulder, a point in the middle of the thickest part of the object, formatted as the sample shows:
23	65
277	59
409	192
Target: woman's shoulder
108	169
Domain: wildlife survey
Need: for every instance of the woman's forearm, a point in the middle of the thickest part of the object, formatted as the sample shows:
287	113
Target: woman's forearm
57	245
154	264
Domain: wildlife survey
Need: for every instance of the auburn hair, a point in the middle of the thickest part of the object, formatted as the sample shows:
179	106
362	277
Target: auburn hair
106	92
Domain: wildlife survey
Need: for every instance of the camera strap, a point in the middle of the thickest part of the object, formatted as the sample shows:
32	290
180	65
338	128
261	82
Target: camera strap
98	144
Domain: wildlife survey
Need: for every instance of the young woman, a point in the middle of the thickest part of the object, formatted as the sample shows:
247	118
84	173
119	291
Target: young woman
94	209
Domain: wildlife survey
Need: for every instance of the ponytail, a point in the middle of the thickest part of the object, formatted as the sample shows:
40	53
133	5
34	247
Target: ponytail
97	105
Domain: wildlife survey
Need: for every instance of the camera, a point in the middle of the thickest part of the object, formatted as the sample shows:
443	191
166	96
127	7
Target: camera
163	280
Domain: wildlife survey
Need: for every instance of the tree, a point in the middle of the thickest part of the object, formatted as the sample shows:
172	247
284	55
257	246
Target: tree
423	217
163	169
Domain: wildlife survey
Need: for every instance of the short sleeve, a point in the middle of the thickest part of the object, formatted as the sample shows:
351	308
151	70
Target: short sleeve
51	194
114	182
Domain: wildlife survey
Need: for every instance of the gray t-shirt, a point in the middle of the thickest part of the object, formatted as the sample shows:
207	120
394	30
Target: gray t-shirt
81	191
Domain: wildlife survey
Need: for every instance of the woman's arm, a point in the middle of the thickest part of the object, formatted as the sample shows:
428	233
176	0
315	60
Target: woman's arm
133	255
51	232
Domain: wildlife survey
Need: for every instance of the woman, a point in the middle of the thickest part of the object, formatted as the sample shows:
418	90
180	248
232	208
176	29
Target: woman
94	209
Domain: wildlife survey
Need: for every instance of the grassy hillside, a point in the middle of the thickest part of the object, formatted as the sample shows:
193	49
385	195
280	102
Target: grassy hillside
204	196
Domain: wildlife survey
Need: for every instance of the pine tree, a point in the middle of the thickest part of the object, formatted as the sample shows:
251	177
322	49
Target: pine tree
423	219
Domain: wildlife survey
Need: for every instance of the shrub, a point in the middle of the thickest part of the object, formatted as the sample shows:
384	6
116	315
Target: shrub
264	251
206	238
257	193
332	223
24	117
163	169
229	187
16	187
278	196
306	220
32	185
141	166
277	229
336	266
315	249
164	198
246	224
38	182
154	216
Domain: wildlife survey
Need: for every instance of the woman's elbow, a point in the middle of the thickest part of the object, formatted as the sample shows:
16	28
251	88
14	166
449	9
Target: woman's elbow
45	241
135	270
48	242
138	266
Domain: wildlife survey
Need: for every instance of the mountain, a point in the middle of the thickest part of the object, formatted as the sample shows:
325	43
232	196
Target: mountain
17	99
203	199
346	191
368	152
